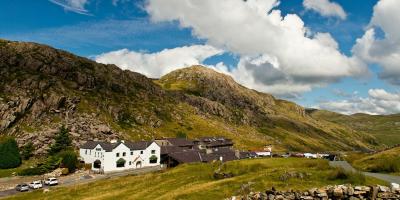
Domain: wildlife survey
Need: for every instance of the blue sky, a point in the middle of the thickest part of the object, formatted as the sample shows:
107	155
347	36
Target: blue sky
132	31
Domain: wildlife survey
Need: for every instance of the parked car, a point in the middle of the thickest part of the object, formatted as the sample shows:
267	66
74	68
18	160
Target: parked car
51	181
22	187
35	184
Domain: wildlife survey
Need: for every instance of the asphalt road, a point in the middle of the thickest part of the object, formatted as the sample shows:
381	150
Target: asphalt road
86	179
385	177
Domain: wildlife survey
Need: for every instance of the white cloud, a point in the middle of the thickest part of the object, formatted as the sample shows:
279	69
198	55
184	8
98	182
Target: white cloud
77	6
383	50
157	64
378	101
325	8
256	30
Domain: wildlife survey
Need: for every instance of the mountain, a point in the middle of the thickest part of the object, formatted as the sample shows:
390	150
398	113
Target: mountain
386	128
43	88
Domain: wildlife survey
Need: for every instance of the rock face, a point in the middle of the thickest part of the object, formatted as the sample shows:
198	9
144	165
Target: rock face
344	192
43	88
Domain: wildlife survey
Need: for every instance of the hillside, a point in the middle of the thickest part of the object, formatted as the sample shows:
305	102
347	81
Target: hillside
385	128
387	161
43	88
185	181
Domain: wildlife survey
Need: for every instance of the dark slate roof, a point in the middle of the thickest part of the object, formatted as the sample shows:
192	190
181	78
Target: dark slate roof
107	146
140	145
170	149
188	156
181	142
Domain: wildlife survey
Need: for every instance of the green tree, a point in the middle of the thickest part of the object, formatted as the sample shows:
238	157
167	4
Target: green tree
27	151
62	141
69	160
10	157
181	134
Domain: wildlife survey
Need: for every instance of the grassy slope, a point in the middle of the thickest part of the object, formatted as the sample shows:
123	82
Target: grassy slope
194	181
386	161
386	128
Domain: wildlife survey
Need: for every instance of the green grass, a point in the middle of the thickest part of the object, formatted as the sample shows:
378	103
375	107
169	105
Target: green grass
385	162
195	181
25	164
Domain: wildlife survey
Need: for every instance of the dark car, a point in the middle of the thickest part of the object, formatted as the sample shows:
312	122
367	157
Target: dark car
22	187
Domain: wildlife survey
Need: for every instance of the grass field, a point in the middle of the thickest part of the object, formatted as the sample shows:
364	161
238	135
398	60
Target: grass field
385	162
25	164
195	181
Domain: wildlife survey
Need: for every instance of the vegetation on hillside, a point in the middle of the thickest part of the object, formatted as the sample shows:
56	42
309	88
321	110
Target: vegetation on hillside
44	87
385	128
387	161
9	153
196	181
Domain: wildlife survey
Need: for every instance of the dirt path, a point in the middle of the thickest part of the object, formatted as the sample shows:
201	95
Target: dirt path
346	166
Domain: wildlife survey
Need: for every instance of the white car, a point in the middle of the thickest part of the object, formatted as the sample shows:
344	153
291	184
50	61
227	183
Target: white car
35	184
51	181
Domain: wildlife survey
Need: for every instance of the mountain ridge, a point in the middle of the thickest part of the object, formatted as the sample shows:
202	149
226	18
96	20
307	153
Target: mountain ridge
44	87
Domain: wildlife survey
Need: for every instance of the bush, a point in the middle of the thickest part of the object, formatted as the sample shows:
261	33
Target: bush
69	159
348	177
10	157
181	134
387	165
88	166
64	171
27	151
32	171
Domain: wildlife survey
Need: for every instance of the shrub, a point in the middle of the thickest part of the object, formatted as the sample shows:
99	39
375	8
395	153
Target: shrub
27	151
64	171
32	171
62	141
69	159
387	165
88	166
181	134
10	157
347	176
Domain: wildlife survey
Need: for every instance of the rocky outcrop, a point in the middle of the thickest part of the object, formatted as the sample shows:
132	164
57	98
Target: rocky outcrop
343	192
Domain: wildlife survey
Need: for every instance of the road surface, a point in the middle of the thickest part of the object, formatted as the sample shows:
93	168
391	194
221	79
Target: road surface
346	166
87	179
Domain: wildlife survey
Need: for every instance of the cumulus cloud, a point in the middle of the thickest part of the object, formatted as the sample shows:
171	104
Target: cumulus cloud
157	64
325	8
277	53
379	101
77	6
382	49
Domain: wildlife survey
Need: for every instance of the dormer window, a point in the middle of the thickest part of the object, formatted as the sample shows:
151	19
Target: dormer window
153	151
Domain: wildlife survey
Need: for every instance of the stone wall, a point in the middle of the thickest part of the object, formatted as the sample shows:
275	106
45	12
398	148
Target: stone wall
329	192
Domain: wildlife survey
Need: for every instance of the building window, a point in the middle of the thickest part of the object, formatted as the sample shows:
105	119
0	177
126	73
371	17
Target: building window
153	151
124	154
86	152
131	153
120	163
130	163
141	152
117	154
153	159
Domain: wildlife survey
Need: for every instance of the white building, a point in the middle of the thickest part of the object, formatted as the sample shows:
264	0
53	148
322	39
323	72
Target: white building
120	155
